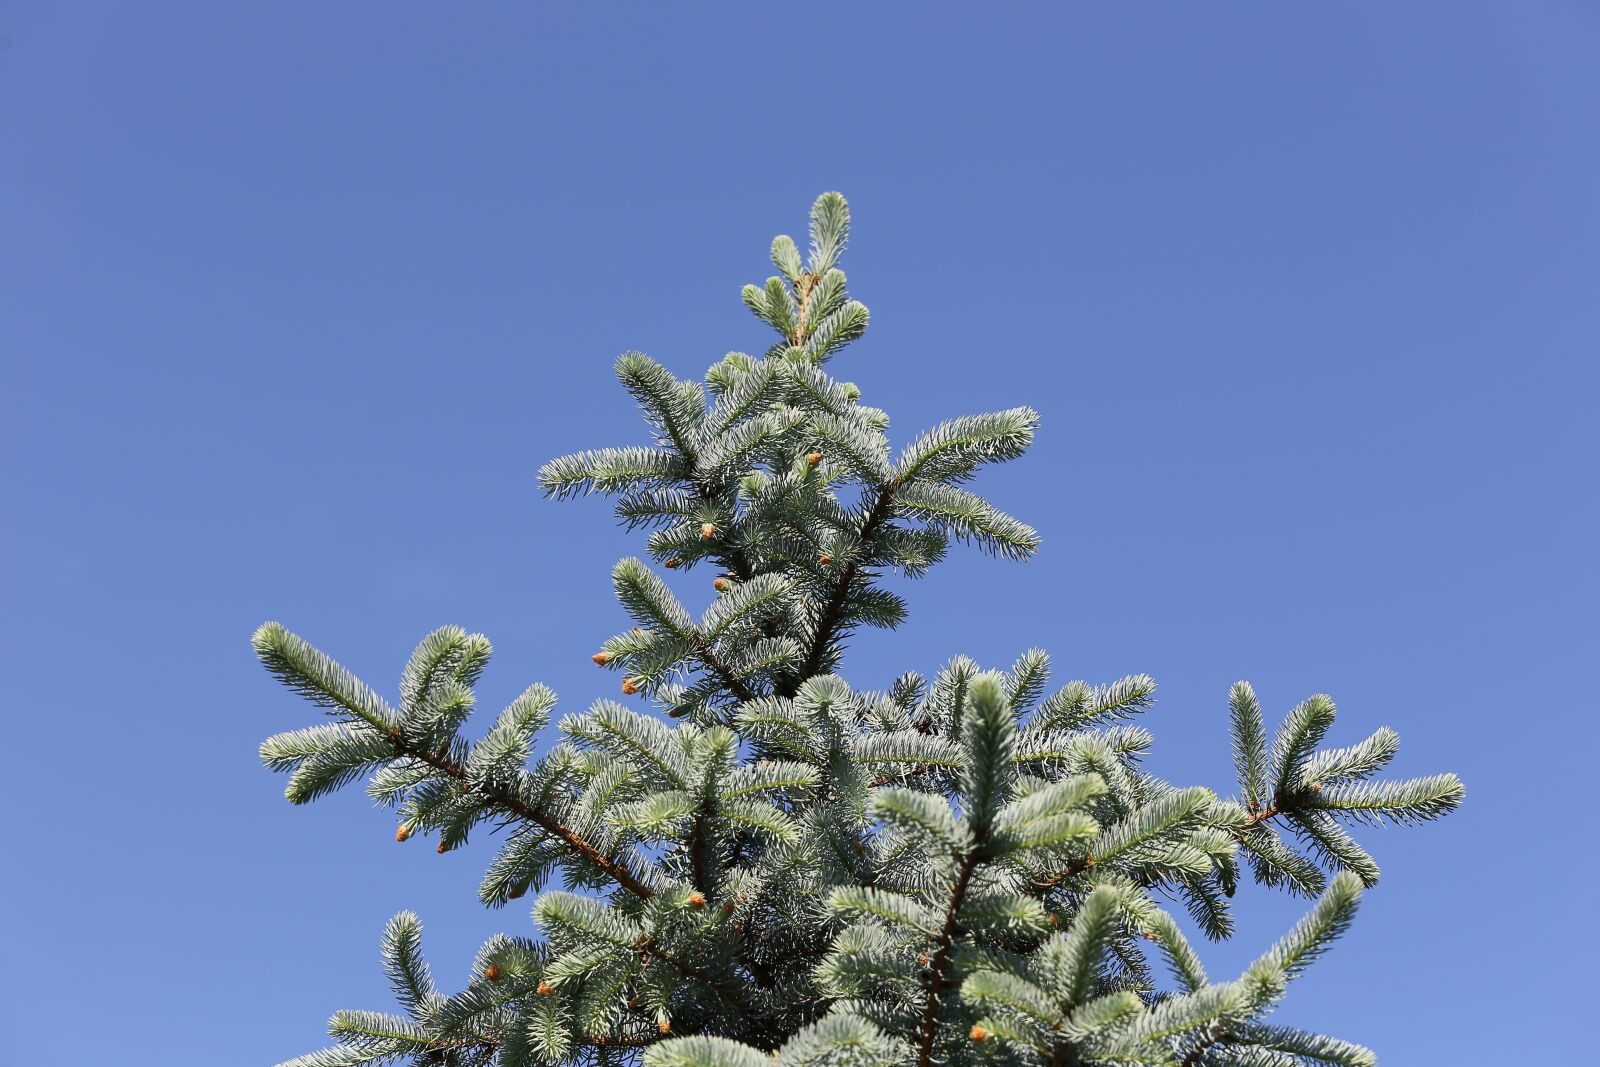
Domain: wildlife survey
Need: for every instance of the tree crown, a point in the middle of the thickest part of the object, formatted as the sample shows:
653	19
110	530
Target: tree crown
954	870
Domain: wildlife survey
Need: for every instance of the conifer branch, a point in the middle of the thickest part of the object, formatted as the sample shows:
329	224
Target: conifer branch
733	557
709	657
939	962
1212	1038
615	869
833	610
696	846
651	950
1258	816
622	1040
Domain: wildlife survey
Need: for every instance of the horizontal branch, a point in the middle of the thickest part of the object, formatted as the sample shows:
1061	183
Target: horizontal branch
617	870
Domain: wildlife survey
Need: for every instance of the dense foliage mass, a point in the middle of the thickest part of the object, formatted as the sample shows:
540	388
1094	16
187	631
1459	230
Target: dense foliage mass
775	867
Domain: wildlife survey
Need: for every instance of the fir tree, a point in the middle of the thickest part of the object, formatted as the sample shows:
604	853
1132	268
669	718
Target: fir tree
775	867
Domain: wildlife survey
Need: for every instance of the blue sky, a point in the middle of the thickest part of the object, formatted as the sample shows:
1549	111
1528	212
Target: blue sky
295	298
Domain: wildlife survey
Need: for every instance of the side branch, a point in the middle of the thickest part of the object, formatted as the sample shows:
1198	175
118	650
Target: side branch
617	870
720	669
833	611
621	1040
651	950
735	559
1211	1039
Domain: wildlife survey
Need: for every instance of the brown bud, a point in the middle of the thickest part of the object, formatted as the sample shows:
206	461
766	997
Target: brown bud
443	848
664	1025
708	531
979	1034
517	892
737	927
633	1002
824	560
922	959
814	458
545	988
697	900
629	686
601	658
402	832
727	907
492	972
672	564
396	735
720	584
1053	920
743	897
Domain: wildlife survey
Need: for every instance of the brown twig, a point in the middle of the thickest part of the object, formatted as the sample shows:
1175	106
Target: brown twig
711	660
617	870
696	846
648	949
940	960
1198	1052
622	1040
1255	818
833	610
916	769
1074	868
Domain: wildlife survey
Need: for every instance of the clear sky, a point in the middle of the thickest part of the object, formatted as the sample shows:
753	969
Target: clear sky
295	298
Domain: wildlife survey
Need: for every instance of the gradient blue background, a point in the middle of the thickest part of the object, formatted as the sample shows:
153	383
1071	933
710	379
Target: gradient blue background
295	298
